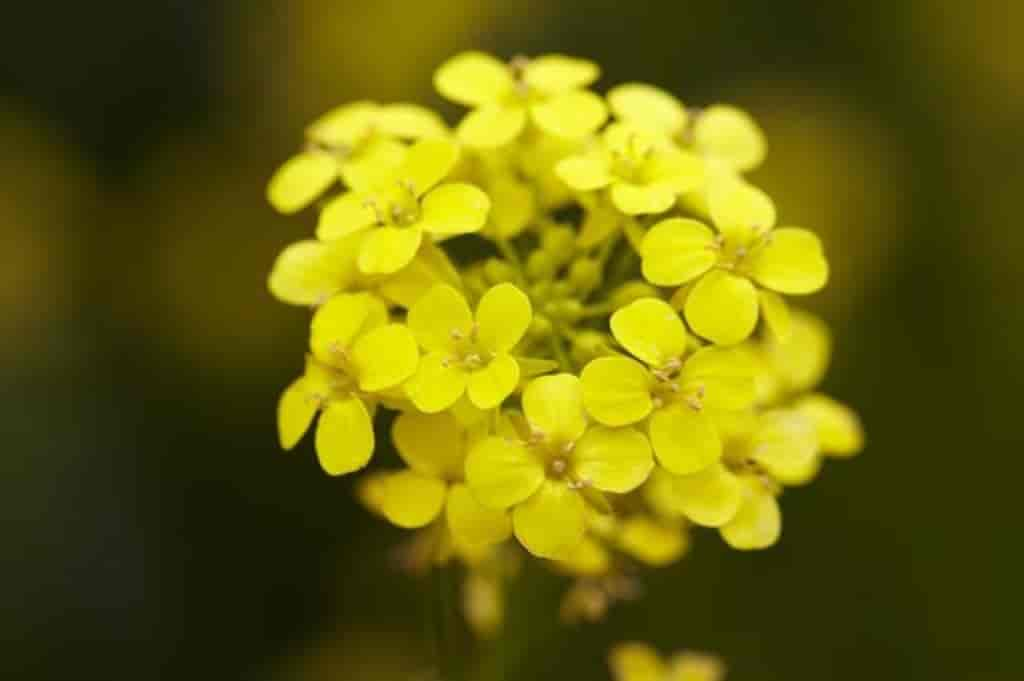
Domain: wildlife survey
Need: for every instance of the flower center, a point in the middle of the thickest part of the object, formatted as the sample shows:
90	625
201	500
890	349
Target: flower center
668	388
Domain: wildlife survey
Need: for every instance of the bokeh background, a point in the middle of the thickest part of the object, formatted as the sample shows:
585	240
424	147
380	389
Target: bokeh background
151	528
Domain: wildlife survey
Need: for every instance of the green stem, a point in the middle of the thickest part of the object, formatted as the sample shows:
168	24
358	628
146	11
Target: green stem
508	252
446	629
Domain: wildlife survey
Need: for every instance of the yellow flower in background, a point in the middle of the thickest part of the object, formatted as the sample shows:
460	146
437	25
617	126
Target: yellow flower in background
397	211
722	302
543	473
729	136
643	173
668	391
640	662
434	447
467	353
358	143
648	108
547	90
356	356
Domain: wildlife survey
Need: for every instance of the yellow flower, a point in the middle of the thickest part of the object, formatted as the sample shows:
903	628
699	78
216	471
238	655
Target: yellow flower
434	447
357	142
640	662
398	212
356	356
544	472
466	353
547	90
643	173
722	302
670	393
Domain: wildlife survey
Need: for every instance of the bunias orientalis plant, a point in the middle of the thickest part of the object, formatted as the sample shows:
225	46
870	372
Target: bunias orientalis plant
572	308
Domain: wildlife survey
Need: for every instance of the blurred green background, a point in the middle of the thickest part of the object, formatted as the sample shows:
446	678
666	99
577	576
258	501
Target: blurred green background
152	529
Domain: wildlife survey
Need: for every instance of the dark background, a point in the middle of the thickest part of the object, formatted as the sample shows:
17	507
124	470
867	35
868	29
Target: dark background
151	528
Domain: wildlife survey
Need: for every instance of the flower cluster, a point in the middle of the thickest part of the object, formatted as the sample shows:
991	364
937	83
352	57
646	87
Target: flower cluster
569	311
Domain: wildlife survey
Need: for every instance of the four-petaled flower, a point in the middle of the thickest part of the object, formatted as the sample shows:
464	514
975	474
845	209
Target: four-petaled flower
434	447
545	465
722	302
398	211
358	142
547	90
644	173
665	389
467	353
357	356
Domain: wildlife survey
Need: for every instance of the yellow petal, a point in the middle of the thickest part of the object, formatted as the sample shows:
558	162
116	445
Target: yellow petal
432	444
838	427
775	313
473	79
555	73
295	411
739	209
409	121
386	250
344	436
455	208
725	377
384	357
440	317
676	251
554	406
648	107
491	126
437	383
729	135
473	524
616	390
300	181
684	441
502	472
638	199
588	559
512	206
428	162
490	386
802	360
551	522
651	330
584	173
310	272
374	168
722	307
503	315
344	215
758	523
571	115
790	261
409	499
340	320
612	459
344	126
430	266
786	445
710	497
637	662
655	543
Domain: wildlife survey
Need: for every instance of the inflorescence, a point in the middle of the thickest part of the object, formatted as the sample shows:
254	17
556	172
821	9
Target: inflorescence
574	306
